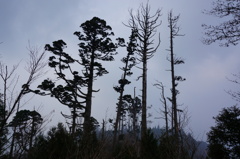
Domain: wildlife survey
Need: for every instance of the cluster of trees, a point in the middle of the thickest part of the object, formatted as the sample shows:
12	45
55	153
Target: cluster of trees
224	138
23	137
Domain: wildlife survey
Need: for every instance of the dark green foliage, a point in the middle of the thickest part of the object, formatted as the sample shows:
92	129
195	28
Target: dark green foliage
60	144
40	148
89	144
167	147
25	118
133	107
95	45
224	138
25	124
149	146
126	150
75	87
57	144
217	151
69	91
129	61
4	133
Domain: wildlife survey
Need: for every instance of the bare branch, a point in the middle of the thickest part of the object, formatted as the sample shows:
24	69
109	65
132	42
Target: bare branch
12	99
227	32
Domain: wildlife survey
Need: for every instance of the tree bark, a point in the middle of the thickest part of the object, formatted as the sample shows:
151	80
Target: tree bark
144	97
87	114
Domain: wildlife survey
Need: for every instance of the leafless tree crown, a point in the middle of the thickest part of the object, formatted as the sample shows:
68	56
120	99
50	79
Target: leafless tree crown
146	24
228	32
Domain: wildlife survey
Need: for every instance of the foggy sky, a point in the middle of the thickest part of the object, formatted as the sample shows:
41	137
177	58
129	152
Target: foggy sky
206	67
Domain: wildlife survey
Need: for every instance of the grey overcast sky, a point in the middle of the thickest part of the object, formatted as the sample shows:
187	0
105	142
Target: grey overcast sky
206	69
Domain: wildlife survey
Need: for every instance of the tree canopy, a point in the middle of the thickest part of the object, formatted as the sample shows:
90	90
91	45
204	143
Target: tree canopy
224	137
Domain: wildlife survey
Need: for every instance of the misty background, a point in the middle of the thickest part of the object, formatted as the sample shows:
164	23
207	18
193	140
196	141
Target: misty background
206	69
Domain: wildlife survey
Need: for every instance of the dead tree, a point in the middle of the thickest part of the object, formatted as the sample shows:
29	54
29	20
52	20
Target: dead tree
146	25
228	31
10	80
174	32
163	100
11	96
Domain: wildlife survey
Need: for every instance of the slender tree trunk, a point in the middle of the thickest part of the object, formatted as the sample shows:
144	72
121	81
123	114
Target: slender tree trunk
173	33
174	99
146	25
119	105
87	114
117	122
12	143
144	97
5	97
74	113
134	114
166	120
13	136
165	110
31	134
103	130
122	124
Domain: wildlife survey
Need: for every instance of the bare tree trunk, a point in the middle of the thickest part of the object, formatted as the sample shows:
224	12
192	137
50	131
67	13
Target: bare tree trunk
87	114
174	29
146	25
74	120
144	98
34	68
13	136
103	130
129	61
118	118
174	99
163	100
134	115
12	143
32	134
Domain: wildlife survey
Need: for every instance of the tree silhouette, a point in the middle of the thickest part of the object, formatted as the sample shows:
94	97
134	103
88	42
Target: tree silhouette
11	99
163	100
174	32
58	143
129	61
227	32
224	138
146	25
134	110
96	45
27	124
69	91
4	133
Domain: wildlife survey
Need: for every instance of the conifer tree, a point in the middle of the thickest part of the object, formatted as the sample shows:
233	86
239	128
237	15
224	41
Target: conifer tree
129	61
95	46
76	92
224	137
